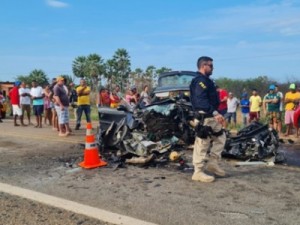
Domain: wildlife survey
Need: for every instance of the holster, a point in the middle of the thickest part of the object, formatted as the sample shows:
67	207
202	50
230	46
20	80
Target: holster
203	131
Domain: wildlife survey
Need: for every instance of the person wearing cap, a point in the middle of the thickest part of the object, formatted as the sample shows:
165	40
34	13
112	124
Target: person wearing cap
15	101
255	104
291	101
37	96
83	101
62	107
245	108
271	106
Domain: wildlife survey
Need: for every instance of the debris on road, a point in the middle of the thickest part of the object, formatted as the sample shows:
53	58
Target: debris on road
255	142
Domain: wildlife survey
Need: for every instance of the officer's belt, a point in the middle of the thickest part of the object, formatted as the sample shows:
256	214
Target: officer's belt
205	115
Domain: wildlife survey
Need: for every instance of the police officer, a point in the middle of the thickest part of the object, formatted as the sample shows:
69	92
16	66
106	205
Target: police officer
210	138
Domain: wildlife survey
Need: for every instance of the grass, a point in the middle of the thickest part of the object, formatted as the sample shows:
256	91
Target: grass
94	113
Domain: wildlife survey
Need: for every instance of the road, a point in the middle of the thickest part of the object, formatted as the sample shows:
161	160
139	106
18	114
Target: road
38	160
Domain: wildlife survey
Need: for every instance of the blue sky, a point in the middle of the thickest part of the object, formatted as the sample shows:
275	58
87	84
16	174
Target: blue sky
245	38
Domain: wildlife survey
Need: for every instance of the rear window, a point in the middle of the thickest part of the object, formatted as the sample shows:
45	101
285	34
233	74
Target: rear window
176	80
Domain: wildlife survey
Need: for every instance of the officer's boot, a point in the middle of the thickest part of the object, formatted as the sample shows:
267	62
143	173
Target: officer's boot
213	167
199	175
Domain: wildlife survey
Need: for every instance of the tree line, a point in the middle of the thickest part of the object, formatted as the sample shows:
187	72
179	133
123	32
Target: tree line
98	72
117	71
260	83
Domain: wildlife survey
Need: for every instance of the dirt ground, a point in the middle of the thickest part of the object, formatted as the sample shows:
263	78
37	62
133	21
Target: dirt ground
37	159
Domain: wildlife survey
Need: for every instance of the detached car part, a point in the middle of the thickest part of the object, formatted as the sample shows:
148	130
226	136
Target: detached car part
254	142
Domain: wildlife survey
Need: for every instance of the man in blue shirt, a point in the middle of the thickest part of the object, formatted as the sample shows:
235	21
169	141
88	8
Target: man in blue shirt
210	139
245	104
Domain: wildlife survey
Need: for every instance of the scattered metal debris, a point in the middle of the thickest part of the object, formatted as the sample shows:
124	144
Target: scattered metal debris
254	142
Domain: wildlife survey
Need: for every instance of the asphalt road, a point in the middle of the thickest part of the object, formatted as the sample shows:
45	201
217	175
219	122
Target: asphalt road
37	159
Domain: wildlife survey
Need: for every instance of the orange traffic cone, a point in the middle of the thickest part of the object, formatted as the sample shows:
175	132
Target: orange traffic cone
91	155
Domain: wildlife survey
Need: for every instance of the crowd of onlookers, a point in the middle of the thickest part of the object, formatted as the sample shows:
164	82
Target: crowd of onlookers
52	103
113	98
277	109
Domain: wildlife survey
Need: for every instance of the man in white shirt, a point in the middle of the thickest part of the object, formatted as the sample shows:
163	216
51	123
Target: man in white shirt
37	96
232	104
25	100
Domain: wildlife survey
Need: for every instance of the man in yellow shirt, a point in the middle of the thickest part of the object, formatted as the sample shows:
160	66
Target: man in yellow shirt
291	101
255	104
83	102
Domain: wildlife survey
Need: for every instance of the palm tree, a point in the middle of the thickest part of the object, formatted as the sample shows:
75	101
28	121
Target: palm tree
122	66
39	76
78	66
91	68
110	72
95	68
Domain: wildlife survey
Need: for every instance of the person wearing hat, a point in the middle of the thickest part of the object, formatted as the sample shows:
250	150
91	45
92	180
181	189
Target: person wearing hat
245	103
271	106
15	101
291	101
37	96
62	107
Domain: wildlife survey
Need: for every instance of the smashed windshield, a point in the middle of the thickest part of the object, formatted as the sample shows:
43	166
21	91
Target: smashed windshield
175	80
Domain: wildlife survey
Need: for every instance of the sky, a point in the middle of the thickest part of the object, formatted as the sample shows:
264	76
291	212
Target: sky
245	38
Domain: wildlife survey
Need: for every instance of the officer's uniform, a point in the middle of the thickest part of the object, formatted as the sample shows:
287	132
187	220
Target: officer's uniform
205	100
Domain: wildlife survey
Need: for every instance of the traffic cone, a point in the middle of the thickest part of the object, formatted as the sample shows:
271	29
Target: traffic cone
91	154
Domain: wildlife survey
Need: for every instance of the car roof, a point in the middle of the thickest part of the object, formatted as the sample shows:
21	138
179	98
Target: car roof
159	89
178	72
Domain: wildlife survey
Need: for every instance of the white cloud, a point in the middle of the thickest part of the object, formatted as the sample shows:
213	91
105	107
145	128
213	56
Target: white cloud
56	3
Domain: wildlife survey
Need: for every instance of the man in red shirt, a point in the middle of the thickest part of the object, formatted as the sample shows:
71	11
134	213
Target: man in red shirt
223	95
15	101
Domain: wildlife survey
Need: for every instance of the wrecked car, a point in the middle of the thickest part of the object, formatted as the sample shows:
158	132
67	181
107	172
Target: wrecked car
168	115
255	142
